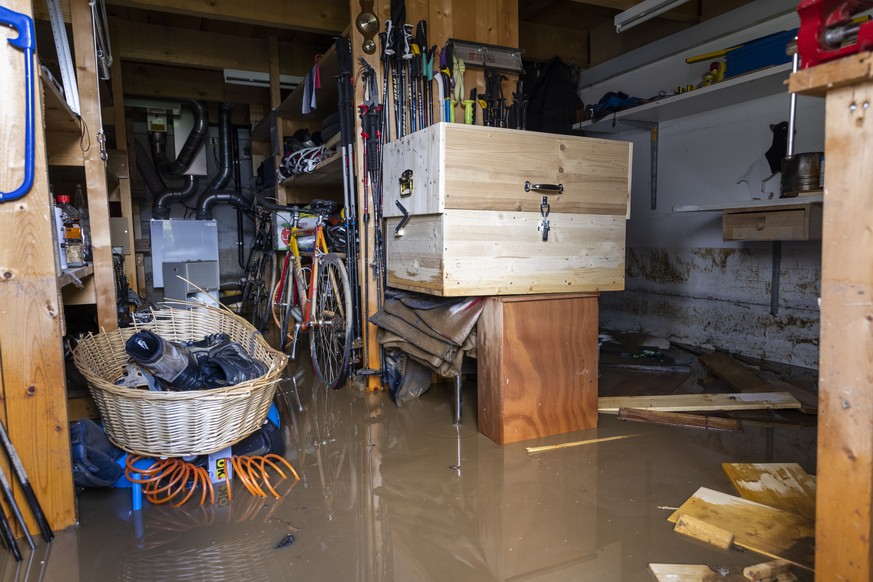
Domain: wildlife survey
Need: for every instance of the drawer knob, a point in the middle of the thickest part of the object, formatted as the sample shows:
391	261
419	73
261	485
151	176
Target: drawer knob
550	188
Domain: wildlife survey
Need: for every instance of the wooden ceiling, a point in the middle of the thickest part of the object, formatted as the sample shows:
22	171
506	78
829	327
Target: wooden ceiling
179	48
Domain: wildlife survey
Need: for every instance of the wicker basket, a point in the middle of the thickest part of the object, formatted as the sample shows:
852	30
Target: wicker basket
174	424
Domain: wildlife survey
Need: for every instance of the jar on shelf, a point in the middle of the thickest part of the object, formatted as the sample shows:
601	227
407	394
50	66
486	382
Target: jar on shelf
72	232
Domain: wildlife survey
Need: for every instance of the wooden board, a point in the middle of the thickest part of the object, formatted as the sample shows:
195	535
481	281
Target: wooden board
845	433
469	167
745	379
704	573
32	382
701	402
683	419
537	380
474	252
785	486
759	528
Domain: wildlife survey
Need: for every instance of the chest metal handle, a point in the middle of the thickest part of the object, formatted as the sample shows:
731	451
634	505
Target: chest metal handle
550	188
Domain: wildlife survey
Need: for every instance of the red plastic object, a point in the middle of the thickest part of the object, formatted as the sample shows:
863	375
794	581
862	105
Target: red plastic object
817	16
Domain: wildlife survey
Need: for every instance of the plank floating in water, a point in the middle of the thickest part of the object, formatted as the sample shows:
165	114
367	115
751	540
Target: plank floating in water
701	402
683	419
760	528
785	486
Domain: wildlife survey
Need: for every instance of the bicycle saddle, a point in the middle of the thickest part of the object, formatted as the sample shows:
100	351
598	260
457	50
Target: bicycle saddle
322	207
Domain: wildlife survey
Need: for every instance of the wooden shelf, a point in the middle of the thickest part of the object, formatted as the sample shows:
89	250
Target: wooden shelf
292	106
754	85
328	173
69	276
755	204
58	115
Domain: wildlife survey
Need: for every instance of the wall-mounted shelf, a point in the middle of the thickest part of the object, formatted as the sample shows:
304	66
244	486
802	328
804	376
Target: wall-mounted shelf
292	106
58	115
796	218
754	204
327	173
754	85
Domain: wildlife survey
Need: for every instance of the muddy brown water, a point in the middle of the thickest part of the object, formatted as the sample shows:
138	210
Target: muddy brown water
402	494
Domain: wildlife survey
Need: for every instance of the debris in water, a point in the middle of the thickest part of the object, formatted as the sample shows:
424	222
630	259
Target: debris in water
286	541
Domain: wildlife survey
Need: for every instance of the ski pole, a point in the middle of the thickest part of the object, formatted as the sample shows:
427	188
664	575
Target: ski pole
32	501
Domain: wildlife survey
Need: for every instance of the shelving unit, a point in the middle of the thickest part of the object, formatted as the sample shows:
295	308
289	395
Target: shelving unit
292	105
754	85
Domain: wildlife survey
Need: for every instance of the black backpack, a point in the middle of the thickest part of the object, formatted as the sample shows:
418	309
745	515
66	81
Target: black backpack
553	99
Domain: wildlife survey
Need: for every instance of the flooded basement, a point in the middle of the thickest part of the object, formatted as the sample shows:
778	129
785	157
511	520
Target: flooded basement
391	493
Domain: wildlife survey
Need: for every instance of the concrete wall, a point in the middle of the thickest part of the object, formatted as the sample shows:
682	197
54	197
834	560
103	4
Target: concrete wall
683	281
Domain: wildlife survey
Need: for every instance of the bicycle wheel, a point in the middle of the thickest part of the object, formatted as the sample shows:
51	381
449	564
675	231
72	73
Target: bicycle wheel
260	280
330	339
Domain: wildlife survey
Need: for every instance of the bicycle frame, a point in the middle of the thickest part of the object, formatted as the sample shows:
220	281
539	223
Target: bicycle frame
306	293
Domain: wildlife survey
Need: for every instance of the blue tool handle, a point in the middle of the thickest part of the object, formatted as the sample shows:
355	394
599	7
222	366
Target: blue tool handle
23	24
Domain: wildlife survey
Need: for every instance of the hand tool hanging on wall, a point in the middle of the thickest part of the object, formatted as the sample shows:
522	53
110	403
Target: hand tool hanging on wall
23	24
346	103
32	501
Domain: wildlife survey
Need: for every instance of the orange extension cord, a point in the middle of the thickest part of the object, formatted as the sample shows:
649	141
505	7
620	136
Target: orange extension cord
167	480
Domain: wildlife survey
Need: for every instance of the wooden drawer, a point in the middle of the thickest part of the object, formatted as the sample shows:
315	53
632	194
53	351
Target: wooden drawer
476	229
789	222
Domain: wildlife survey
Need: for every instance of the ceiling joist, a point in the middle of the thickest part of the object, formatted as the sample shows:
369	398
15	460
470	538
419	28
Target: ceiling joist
150	43
324	16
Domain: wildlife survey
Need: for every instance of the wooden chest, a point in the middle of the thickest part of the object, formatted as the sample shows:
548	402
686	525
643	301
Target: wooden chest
477	216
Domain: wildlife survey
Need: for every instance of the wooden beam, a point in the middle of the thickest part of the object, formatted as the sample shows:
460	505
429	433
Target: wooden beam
327	16
150	43
147	80
33	403
95	170
845	433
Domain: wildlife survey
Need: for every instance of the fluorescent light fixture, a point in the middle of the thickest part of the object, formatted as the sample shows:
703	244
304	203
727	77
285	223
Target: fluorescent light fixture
258	79
644	11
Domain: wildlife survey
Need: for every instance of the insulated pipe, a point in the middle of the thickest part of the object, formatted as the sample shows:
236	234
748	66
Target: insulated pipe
210	199
162	195
225	150
192	144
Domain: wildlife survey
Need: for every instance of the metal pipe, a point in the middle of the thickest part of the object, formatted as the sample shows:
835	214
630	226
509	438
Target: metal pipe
205	204
162	195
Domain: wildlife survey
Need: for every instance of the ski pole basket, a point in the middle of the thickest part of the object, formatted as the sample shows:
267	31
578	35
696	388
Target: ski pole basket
174	424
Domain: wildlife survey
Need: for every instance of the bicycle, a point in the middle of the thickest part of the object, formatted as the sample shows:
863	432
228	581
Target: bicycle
315	298
259	276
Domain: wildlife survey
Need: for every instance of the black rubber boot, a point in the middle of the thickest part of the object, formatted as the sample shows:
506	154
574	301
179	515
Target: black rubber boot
228	364
173	364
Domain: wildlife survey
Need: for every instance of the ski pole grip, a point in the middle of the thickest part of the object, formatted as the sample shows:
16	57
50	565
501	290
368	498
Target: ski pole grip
551	188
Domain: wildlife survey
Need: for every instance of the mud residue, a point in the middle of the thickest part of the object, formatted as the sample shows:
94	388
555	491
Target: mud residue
789	322
657	266
718	257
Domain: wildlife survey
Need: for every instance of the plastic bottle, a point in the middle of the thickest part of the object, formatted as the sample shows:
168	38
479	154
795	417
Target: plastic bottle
72	232
58	219
84	219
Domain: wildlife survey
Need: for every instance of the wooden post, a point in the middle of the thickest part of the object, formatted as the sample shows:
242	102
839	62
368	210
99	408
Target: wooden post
124	181
278	148
845	434
33	403
95	167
